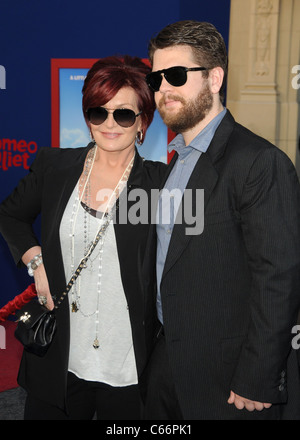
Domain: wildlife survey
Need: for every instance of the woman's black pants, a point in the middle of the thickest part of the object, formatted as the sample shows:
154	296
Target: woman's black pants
88	401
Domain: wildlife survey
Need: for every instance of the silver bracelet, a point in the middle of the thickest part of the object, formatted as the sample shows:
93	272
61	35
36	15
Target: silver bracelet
34	264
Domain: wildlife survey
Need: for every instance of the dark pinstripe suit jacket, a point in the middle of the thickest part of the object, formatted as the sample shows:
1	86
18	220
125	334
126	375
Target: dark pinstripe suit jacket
231	295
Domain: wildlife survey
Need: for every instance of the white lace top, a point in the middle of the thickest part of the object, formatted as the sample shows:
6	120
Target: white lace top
114	361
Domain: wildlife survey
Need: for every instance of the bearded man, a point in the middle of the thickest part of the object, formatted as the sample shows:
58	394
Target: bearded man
228	297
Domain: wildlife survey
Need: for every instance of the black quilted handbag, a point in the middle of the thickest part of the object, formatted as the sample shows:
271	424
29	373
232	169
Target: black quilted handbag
36	327
37	324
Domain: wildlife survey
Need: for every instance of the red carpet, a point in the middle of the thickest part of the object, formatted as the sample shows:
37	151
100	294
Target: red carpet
9	357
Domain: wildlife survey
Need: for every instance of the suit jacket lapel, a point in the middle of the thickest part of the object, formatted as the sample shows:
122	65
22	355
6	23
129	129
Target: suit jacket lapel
151	241
63	182
204	176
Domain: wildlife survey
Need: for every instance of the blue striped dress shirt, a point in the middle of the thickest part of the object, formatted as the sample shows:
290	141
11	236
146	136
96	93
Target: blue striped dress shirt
175	186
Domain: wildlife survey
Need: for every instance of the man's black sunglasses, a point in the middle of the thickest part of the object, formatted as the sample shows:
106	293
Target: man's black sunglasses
123	116
176	76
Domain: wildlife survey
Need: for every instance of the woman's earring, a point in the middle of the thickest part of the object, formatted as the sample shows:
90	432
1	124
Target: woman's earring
139	137
92	138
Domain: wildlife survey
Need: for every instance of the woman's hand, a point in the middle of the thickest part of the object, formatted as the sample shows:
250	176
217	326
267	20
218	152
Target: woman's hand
42	286
40	276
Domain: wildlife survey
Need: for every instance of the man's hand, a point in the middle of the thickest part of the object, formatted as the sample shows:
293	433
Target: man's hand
242	402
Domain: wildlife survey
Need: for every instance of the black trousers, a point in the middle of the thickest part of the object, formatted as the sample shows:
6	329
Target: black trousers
161	399
89	400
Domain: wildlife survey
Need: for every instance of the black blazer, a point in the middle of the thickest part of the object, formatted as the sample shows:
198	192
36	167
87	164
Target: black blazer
230	296
46	190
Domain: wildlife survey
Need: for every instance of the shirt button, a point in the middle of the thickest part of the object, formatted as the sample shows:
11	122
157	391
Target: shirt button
182	161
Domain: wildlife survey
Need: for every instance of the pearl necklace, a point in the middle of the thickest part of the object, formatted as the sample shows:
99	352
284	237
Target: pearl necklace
84	183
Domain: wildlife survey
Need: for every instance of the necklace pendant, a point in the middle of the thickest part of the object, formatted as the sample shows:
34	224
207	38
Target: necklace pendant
74	307
96	344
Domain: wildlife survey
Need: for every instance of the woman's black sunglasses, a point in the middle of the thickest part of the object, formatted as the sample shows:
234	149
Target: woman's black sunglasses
123	116
176	76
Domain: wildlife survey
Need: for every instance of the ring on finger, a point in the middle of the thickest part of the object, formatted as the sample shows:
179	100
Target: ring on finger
42	300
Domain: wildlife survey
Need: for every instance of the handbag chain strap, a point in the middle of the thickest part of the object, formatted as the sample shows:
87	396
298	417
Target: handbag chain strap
100	233
82	263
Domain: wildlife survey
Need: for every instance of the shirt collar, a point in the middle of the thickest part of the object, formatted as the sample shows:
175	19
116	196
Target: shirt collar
202	141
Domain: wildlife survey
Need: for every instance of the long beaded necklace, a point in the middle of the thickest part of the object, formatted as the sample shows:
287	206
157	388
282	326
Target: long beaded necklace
84	184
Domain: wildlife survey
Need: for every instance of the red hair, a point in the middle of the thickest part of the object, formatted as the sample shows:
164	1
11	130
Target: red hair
108	75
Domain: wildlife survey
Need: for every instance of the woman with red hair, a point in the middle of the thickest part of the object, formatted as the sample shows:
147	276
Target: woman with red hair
105	324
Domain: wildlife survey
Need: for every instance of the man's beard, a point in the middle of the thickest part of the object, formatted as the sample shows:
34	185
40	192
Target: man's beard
191	113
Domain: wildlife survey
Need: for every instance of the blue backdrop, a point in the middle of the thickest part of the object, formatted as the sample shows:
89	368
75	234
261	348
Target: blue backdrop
32	33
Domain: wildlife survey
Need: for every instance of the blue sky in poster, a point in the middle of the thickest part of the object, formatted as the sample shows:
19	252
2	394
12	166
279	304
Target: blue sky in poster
74	132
